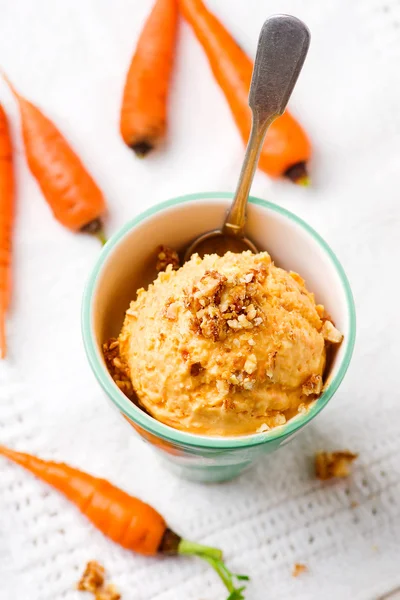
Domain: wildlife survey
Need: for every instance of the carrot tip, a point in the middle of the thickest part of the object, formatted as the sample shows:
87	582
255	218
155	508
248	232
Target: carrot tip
169	543
101	236
95	228
298	174
304	181
142	149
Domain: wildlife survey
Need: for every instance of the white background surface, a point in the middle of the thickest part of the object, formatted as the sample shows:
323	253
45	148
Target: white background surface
70	58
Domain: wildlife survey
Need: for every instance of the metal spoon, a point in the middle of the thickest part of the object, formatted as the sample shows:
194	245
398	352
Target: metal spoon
282	49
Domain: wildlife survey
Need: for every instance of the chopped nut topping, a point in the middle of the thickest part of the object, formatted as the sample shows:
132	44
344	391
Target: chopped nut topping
333	464
167	256
312	386
222	387
323	314
219	305
247	278
195	369
124	386
117	363
251	364
248	384
209	286
260	273
263	428
330	333
234	379
244	322
298	569
251	312
93	578
210	323
279	419
235	324
118	370
171	310
132	313
270	364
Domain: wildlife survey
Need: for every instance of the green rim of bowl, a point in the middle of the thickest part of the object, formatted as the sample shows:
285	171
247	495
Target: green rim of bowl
166	432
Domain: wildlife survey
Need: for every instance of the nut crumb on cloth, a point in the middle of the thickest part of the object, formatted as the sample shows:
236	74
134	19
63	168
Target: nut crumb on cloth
333	464
298	569
109	592
92	578
92	581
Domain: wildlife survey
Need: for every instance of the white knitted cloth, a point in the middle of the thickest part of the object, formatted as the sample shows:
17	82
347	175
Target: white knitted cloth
70	58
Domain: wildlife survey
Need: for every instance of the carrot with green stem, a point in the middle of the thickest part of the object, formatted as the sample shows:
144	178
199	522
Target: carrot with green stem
126	520
6	223
72	194
287	148
144	108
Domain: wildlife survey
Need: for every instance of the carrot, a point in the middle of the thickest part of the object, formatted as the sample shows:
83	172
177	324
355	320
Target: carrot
126	520
144	105
72	194
6	221
286	149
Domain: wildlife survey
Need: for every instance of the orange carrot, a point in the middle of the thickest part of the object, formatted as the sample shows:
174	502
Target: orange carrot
126	520
72	194
286	149
145	99
6	221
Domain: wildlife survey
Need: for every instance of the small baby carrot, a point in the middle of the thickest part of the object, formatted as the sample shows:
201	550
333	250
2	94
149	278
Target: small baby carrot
6	222
286	148
126	520
145	99
72	194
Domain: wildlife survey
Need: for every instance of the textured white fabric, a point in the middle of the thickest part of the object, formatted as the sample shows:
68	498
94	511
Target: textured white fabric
70	58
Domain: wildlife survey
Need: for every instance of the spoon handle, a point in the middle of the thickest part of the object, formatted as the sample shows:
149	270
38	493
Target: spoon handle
282	49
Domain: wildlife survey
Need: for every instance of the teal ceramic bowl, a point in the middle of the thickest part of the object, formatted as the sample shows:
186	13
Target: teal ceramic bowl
125	264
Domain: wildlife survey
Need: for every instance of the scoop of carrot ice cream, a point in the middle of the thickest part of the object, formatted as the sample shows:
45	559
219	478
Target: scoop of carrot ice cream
226	345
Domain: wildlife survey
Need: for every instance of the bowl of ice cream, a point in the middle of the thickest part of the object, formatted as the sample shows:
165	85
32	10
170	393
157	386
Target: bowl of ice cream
223	359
